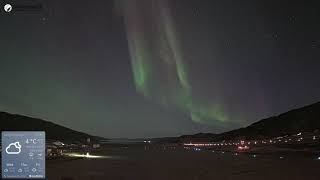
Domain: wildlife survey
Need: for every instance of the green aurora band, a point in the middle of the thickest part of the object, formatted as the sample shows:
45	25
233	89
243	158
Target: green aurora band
159	70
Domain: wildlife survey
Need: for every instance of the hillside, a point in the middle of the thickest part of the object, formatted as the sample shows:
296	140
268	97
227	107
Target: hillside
10	122
305	119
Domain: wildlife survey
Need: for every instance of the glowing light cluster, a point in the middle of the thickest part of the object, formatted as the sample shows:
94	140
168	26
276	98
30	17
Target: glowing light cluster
87	155
198	144
243	148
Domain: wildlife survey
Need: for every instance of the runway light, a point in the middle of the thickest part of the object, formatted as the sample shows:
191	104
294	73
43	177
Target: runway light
197	144
254	155
281	157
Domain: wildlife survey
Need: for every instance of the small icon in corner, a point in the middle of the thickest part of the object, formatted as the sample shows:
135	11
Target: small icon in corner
7	8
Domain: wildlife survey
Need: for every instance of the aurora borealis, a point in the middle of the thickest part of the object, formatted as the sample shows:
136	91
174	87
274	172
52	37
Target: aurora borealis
151	68
160	72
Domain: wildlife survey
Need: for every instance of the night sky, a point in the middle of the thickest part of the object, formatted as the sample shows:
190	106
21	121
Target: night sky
151	68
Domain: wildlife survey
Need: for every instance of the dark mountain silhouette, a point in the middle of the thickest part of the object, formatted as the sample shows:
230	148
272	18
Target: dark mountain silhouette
13	122
305	119
198	137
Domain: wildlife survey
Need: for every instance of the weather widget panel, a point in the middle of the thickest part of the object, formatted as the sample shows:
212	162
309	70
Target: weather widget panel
23	154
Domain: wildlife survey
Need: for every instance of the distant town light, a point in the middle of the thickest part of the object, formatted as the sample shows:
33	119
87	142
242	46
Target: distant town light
197	144
299	134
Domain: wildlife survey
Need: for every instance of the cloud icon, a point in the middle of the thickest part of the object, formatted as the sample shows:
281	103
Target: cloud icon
13	148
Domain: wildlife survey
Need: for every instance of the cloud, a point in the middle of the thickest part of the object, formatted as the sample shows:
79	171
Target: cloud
13	148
